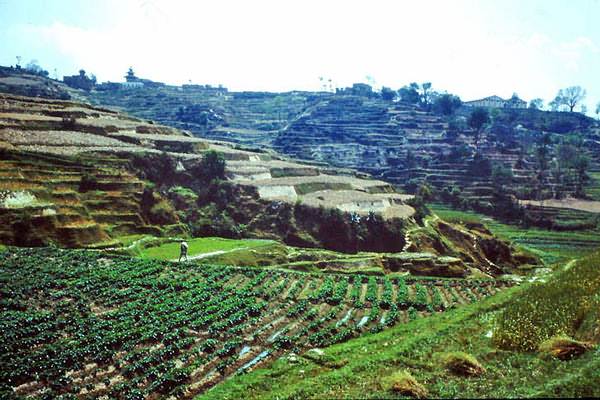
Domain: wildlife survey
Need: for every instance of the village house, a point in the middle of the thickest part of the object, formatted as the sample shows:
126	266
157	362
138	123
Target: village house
497	102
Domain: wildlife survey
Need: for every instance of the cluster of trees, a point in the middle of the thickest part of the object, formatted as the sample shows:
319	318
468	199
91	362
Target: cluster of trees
423	95
33	67
567	99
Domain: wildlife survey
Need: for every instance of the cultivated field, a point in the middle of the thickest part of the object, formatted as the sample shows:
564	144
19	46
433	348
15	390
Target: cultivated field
91	325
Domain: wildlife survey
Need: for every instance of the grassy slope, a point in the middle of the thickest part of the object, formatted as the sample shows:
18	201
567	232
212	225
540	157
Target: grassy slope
356	369
551	246
560	305
169	251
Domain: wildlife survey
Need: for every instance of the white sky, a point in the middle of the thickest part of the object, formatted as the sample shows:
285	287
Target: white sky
471	48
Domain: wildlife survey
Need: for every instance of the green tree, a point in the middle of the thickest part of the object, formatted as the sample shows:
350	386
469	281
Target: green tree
410	93
536	104
477	120
567	153
212	166
581	165
542	151
446	104
387	94
598	110
425	97
501	175
570	97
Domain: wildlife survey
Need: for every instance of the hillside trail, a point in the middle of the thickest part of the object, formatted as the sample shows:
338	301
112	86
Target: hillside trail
212	253
407	241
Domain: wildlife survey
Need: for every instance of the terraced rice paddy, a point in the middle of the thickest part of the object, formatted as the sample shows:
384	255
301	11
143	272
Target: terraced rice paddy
87	324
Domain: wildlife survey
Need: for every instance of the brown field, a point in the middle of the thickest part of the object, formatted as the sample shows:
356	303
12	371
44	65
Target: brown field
571	203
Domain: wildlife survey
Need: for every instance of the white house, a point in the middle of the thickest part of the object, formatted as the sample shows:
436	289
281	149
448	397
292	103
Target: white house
497	102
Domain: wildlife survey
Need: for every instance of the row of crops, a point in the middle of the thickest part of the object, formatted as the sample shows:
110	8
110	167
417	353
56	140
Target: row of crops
77	323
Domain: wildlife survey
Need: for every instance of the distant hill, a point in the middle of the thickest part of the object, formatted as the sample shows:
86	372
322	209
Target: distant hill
397	142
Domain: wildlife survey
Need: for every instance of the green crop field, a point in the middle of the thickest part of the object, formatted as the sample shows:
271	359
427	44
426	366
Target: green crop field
551	246
90	324
199	246
361	367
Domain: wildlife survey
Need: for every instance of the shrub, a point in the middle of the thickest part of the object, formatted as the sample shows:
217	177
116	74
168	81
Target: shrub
462	364
212	167
563	347
405	384
88	182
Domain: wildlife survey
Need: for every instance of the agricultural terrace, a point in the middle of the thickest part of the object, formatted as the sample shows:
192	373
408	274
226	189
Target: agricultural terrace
84	323
551	246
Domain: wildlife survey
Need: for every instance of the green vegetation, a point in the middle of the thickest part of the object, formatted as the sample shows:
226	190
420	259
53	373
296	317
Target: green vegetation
403	383
550	308
198	246
593	190
551	246
422	350
211	167
149	327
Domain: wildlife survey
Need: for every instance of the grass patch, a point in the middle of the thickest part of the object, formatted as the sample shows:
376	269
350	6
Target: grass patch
270	253
170	251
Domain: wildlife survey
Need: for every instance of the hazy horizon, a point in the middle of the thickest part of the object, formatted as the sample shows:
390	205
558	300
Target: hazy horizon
470	48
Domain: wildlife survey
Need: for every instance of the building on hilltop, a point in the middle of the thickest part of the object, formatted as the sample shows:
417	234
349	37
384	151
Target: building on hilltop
80	81
133	82
357	89
497	102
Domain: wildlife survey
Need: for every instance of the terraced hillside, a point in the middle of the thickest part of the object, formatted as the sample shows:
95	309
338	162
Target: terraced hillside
404	145
69	166
397	142
358	131
24	83
91	325
44	202
251	118
79	175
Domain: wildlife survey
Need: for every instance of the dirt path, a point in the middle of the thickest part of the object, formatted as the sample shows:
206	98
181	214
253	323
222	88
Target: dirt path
407	241
212	253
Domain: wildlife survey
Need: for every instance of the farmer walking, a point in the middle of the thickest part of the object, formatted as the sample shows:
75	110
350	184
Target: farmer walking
183	251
